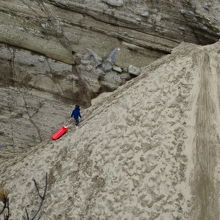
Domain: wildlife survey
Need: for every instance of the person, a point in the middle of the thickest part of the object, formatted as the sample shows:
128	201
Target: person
76	114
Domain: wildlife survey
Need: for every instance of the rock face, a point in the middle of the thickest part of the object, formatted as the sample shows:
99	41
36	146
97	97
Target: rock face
78	83
58	31
147	29
49	86
150	150
133	70
70	49
27	117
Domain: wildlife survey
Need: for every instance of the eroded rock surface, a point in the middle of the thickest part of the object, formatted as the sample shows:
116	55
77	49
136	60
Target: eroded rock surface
29	117
146	29
150	150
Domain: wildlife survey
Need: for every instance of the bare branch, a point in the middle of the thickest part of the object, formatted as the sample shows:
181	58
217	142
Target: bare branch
39	217
36	186
27	215
3	208
42	197
8	214
6	205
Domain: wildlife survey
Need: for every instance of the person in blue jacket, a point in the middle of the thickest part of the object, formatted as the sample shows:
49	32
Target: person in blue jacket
76	114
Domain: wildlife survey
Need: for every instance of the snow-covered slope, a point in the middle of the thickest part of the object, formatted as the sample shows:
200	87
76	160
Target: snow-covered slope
149	151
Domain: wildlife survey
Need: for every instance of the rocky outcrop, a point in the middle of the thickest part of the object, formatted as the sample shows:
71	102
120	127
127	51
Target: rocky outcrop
78	83
150	150
57	32
56	28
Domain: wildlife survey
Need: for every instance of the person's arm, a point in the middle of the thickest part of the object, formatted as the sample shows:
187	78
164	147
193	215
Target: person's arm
72	114
80	115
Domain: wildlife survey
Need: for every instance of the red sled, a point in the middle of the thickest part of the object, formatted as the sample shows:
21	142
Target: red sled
59	133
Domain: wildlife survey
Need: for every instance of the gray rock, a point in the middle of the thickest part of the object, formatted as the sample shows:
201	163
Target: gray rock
145	14
117	69
107	65
116	3
186	12
207	6
112	56
99	72
125	69
155	10
85	62
91	55
182	11
89	68
3	145
82	67
125	76
195	19
133	70
72	77
42	59
111	80
181	28
203	27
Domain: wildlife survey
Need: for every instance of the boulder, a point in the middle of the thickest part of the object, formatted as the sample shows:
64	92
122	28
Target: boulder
107	65
93	57
145	14
116	3
111	80
133	70
117	69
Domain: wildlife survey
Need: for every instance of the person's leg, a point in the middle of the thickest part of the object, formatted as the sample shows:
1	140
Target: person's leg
77	121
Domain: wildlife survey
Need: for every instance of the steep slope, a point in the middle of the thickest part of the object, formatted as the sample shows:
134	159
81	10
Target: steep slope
150	151
61	47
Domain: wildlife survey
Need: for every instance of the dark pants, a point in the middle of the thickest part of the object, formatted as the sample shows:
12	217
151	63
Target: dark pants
76	121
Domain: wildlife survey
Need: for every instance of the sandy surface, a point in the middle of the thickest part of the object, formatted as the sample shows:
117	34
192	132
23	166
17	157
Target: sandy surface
149	151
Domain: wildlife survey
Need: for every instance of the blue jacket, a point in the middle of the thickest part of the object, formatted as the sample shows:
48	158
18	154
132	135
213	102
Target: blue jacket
76	113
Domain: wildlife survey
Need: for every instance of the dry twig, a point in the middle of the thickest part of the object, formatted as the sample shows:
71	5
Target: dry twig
42	197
